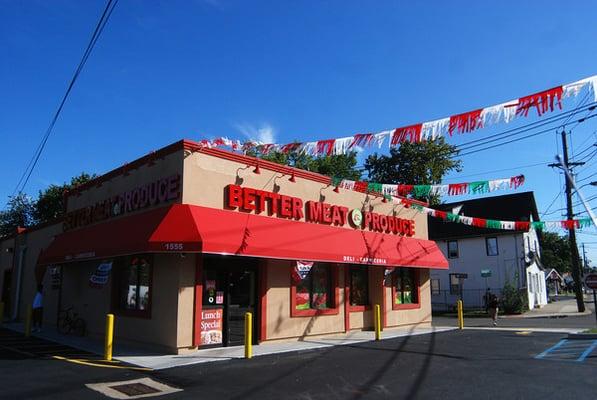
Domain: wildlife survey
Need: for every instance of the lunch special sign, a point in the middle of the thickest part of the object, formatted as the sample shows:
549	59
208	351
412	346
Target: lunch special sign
282	206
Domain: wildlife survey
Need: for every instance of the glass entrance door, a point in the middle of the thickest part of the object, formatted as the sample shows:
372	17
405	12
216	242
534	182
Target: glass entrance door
229	291
241	299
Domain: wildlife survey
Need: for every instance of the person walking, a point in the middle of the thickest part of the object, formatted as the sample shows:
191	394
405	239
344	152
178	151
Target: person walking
492	307
38	307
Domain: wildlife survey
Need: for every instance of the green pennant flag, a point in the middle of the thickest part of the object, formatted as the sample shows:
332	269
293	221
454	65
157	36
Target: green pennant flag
452	217
538	225
479	187
493	224
420	191
417	207
584	222
374	187
336	181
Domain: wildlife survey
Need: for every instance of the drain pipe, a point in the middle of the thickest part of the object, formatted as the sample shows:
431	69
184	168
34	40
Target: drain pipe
15	309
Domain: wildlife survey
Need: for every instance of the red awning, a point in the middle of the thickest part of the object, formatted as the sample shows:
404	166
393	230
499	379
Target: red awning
186	228
169	228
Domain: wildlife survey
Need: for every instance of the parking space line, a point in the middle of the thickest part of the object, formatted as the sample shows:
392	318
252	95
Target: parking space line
91	363
588	351
556	346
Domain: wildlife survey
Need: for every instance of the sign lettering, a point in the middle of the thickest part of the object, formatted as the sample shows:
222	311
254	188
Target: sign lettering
274	204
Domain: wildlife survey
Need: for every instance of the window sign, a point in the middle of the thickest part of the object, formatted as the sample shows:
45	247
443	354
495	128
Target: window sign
211	326
219	297
100	276
56	277
313	283
210	288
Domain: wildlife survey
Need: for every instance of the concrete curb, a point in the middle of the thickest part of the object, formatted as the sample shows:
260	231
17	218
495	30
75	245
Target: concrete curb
582	336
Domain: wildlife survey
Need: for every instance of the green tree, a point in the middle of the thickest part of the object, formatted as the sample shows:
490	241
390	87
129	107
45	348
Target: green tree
422	163
555	252
50	203
18	213
343	166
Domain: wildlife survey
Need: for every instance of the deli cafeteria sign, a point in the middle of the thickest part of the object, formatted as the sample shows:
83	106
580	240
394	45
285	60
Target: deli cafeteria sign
275	204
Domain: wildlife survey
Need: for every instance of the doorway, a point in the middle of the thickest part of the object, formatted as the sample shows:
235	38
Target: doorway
229	291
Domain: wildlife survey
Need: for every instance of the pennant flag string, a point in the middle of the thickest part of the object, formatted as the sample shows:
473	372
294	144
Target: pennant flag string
451	189
494	224
538	103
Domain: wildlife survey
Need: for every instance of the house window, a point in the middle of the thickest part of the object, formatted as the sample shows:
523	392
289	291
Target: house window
491	246
135	285
452	249
435	288
406	286
314	288
454	284
359	285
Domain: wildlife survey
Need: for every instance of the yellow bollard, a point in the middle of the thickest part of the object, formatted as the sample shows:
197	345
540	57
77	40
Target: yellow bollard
1	312
377	321
28	321
248	335
460	315
109	337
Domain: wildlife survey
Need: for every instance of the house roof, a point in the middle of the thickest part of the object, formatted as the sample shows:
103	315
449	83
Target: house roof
510	207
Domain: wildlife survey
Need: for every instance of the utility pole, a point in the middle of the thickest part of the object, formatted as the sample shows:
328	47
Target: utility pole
584	258
576	269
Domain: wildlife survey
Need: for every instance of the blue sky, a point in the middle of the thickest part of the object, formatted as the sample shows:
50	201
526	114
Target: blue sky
166	70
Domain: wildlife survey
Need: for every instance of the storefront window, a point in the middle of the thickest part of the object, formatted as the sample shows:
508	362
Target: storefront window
313	283
406	288
359	286
135	293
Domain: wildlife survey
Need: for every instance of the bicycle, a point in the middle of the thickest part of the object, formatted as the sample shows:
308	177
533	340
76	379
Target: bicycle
69	321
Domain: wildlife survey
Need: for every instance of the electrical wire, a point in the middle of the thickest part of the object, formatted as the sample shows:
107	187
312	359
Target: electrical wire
510	141
111	4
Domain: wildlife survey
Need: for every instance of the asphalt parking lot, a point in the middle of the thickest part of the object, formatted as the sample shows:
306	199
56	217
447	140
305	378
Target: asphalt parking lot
469	364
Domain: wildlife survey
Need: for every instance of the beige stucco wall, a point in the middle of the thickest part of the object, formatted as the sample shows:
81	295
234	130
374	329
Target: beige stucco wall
170	325
206	176
162	168
280	325
418	317
35	241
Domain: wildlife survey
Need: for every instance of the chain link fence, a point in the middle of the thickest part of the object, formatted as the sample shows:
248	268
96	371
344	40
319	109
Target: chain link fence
472	299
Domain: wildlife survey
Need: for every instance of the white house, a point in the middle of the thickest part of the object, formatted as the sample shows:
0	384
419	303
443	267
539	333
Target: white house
488	257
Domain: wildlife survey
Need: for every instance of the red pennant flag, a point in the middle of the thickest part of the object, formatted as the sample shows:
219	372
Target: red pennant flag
404	190
457	188
479	222
466	122
361	139
410	133
522	225
325	146
441	214
290	147
360	187
570	224
542	101
516	181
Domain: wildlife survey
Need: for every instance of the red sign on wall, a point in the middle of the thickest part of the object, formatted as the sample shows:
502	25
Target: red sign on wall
211	326
261	201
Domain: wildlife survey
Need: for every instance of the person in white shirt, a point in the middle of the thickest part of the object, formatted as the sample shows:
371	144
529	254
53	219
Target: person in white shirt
38	308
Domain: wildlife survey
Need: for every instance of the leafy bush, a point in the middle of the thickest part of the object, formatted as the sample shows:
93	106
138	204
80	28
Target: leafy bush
514	301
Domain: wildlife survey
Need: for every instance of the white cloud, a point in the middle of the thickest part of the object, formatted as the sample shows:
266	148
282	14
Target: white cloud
265	133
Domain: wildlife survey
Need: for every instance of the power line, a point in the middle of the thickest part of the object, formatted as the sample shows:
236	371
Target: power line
510	141
111	4
524	128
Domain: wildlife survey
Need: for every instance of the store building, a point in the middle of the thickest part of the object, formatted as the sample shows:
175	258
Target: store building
179	244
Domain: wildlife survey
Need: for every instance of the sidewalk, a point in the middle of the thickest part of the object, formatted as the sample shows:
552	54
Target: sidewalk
145	357
557	309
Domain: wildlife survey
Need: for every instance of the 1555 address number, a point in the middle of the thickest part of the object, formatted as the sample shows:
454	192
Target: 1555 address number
173	246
